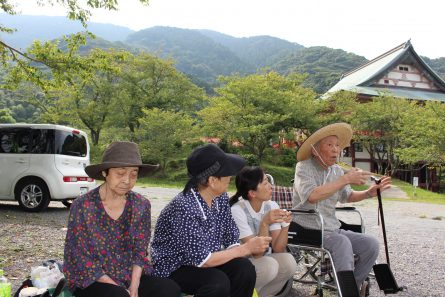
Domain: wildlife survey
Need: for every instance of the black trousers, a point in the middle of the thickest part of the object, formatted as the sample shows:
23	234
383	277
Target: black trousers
235	278
149	286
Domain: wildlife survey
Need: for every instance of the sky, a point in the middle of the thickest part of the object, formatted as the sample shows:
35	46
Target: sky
364	27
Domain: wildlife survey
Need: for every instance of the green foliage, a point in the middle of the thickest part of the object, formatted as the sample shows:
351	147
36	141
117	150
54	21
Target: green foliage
197	55
258	51
162	135
422	134
281	156
76	10
323	65
149	82
6	116
251	160
252	110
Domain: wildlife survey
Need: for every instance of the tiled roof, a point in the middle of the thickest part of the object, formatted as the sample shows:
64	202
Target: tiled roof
361	79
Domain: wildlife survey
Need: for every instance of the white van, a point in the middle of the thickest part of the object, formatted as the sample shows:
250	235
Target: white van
43	162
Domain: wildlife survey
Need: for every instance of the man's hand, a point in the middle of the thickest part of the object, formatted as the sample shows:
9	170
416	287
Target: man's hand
385	183
356	176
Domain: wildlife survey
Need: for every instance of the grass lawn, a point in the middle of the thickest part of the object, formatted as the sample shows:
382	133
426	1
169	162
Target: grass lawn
419	195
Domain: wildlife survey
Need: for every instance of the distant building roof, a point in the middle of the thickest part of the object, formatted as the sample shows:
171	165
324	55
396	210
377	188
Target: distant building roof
381	75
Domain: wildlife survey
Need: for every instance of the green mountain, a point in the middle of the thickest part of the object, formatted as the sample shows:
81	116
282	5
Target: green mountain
203	55
438	65
323	65
30	28
195	53
259	51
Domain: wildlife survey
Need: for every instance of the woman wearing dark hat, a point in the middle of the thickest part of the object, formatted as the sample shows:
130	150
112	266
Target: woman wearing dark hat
196	241
320	183
109	232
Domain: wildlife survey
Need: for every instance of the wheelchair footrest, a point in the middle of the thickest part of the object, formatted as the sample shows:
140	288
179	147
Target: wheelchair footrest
348	286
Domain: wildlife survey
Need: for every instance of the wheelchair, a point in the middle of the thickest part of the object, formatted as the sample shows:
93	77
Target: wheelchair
306	245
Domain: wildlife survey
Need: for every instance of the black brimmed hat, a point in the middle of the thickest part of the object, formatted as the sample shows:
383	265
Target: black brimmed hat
120	154
209	160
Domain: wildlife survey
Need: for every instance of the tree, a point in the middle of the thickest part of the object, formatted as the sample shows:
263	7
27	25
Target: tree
75	11
71	88
162	134
6	116
422	134
253	110
149	82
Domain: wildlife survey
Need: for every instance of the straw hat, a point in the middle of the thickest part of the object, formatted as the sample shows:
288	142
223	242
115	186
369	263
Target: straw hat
120	154
342	130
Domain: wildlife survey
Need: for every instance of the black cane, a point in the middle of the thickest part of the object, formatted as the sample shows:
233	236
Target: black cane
382	218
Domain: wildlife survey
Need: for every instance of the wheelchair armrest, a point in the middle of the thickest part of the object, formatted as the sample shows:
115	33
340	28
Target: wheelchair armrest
304	236
352	227
345	208
298	235
308	211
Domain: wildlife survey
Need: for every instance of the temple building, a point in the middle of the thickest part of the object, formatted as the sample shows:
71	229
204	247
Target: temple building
400	72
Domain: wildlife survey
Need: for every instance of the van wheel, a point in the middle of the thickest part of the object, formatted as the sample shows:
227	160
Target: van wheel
32	194
67	203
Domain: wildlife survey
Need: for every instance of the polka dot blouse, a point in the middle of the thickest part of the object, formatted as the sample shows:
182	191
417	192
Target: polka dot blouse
96	244
188	231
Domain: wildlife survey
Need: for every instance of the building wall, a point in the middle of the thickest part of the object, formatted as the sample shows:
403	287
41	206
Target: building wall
409	76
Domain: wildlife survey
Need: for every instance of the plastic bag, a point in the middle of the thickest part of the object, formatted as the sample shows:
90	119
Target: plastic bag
46	276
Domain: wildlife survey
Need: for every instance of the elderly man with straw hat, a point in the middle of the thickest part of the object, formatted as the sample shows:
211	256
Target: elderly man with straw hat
320	183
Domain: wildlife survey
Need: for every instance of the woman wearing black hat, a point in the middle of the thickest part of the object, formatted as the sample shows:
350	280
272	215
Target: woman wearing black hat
109	232
196	241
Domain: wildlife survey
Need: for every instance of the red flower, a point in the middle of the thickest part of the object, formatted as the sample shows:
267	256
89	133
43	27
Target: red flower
89	264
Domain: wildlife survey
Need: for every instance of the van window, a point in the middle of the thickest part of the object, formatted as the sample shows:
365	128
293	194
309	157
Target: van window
43	141
15	141
71	144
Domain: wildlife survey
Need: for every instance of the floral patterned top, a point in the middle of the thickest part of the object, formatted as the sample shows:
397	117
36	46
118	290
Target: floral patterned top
188	231
96	244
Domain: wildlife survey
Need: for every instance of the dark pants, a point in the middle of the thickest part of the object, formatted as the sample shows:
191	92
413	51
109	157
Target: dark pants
149	286
235	278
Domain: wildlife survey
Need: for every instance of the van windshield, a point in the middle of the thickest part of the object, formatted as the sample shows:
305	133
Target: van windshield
71	144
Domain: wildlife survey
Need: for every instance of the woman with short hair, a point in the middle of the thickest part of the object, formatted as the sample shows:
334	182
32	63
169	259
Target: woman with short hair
109	232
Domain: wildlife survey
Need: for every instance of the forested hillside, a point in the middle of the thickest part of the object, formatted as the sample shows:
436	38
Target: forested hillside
258	51
323	65
195	53
203	55
30	28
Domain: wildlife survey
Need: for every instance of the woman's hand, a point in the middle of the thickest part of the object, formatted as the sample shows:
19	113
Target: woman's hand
133	289
287	216
275	216
258	244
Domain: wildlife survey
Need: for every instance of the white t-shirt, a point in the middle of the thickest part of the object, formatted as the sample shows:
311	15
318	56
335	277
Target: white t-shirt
241	219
